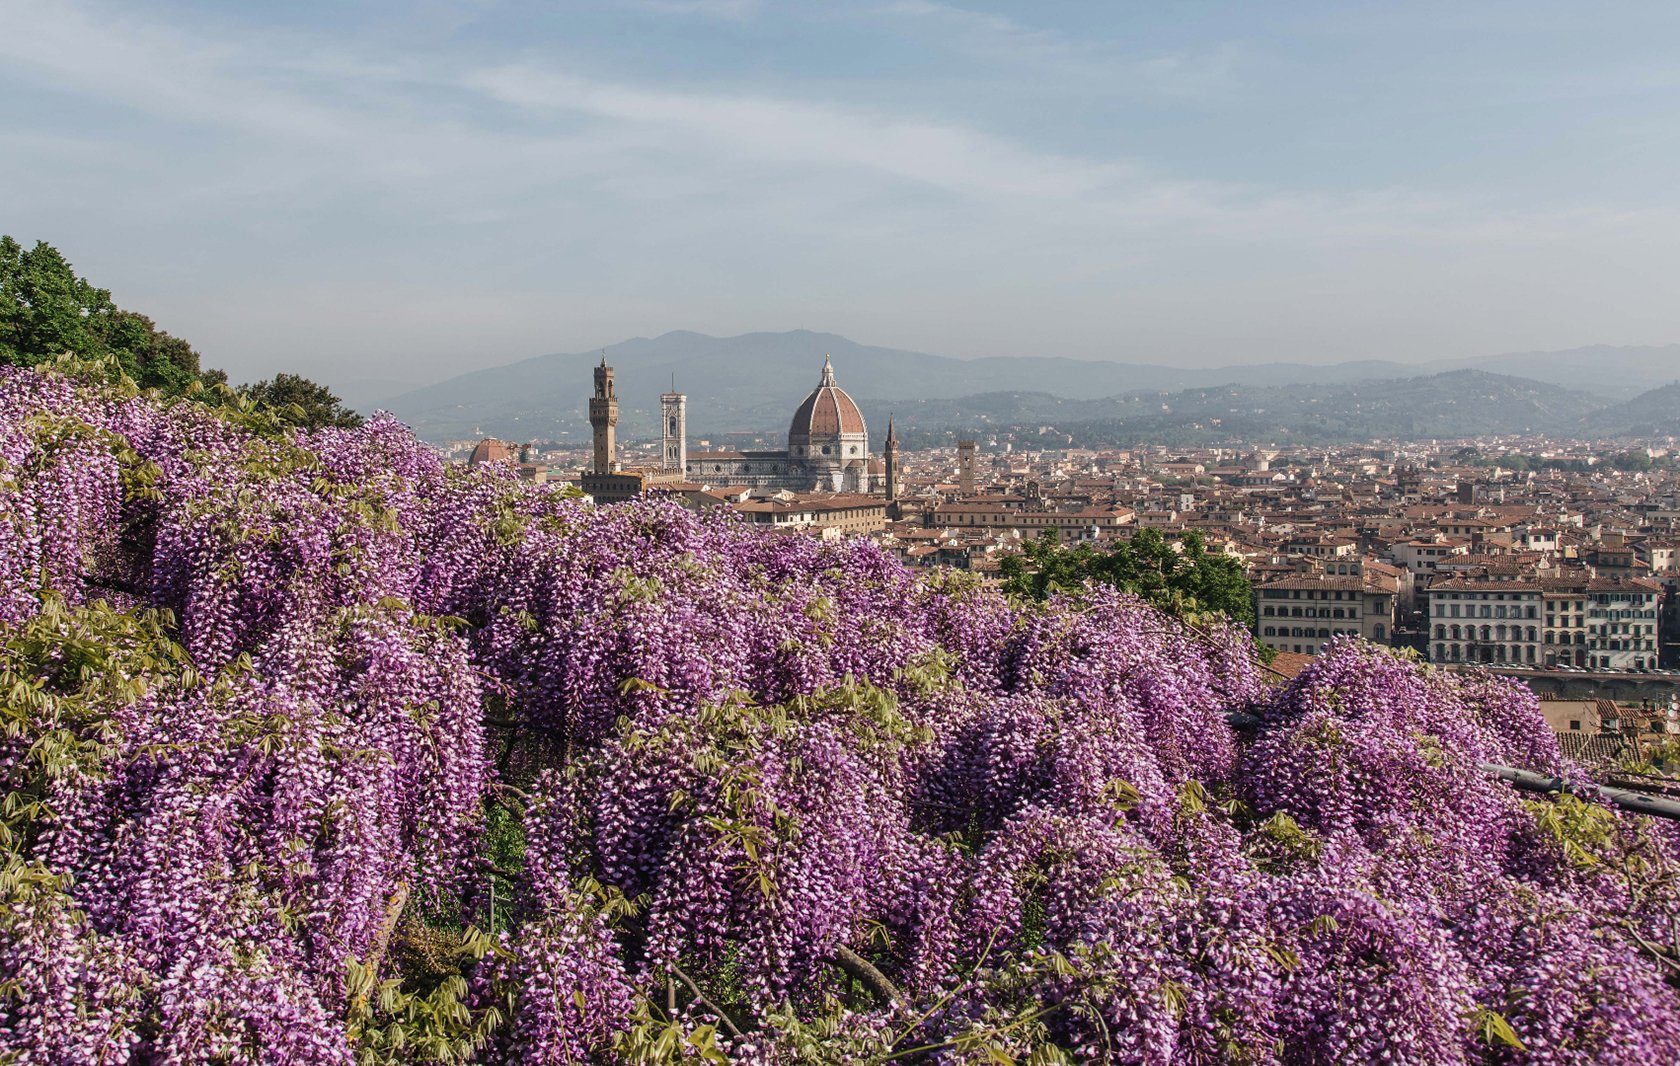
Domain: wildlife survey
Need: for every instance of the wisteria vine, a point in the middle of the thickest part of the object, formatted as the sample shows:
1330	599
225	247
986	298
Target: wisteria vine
317	750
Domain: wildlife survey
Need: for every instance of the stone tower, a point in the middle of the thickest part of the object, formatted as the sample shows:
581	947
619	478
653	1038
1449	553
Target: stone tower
965	467
603	415
673	409
889	453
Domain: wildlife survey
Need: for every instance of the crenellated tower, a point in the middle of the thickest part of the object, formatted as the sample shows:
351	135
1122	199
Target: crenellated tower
603	416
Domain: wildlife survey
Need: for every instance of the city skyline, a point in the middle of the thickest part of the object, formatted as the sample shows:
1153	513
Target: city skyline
414	192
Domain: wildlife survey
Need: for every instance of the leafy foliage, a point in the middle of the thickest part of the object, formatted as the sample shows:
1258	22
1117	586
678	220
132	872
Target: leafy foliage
302	402
47	311
1182	577
314	750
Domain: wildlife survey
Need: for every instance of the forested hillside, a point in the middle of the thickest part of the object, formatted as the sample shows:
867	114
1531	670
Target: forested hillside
314	750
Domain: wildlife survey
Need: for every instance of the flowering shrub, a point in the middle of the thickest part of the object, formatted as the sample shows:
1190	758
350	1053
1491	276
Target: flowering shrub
314	750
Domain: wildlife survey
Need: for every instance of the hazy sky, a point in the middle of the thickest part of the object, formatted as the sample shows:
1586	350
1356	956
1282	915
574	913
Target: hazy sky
365	191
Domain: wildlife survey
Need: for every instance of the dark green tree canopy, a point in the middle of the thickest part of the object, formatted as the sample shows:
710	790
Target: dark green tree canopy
302	402
1185	579
47	311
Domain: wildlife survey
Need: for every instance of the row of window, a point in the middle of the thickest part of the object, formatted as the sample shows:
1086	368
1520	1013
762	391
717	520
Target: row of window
1488	611
1524	655
1488	633
1378	632
1482	595
1307	631
1307	594
1311	612
1484	653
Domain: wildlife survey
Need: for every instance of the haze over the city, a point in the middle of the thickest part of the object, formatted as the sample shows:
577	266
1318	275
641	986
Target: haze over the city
403	192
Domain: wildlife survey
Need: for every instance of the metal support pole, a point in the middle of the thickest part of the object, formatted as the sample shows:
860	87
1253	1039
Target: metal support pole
1626	799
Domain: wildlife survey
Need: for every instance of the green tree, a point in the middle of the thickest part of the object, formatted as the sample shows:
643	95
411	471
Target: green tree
301	402
47	311
1631	461
1183	579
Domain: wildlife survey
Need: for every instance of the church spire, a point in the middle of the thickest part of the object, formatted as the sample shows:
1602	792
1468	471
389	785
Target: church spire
890	456
828	374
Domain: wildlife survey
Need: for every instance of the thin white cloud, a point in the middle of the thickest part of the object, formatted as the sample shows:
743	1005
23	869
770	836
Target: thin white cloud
946	156
1208	73
348	170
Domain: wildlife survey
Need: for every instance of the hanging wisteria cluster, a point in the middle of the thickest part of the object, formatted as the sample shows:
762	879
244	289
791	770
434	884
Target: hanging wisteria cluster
316	750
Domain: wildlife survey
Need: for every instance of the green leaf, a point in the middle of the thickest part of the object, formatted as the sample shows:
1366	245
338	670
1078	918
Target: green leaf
1495	1030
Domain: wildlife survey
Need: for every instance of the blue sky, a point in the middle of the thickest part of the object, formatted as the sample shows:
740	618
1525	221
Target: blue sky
380	191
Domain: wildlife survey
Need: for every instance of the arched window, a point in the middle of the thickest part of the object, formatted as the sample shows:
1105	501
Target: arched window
1440	632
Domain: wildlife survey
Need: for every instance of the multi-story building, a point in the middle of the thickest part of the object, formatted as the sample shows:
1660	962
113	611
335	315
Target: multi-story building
1298	613
1476	620
1602	623
1622	623
1566	621
835	514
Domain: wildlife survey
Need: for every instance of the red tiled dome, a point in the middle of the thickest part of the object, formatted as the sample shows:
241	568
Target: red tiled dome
827	412
489	451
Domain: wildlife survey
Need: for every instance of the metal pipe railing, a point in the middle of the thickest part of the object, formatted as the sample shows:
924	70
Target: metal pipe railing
1625	798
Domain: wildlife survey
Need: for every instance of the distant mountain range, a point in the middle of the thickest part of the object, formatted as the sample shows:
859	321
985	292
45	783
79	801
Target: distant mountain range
1650	414
751	384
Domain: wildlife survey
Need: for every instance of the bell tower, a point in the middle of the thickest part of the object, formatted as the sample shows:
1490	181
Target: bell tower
889	453
673	409
603	416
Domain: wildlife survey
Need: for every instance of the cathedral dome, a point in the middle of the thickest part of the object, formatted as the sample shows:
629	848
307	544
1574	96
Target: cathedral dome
828	418
489	451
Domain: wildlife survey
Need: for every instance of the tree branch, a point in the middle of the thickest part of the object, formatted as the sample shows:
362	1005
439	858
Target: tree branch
700	998
863	970
382	938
